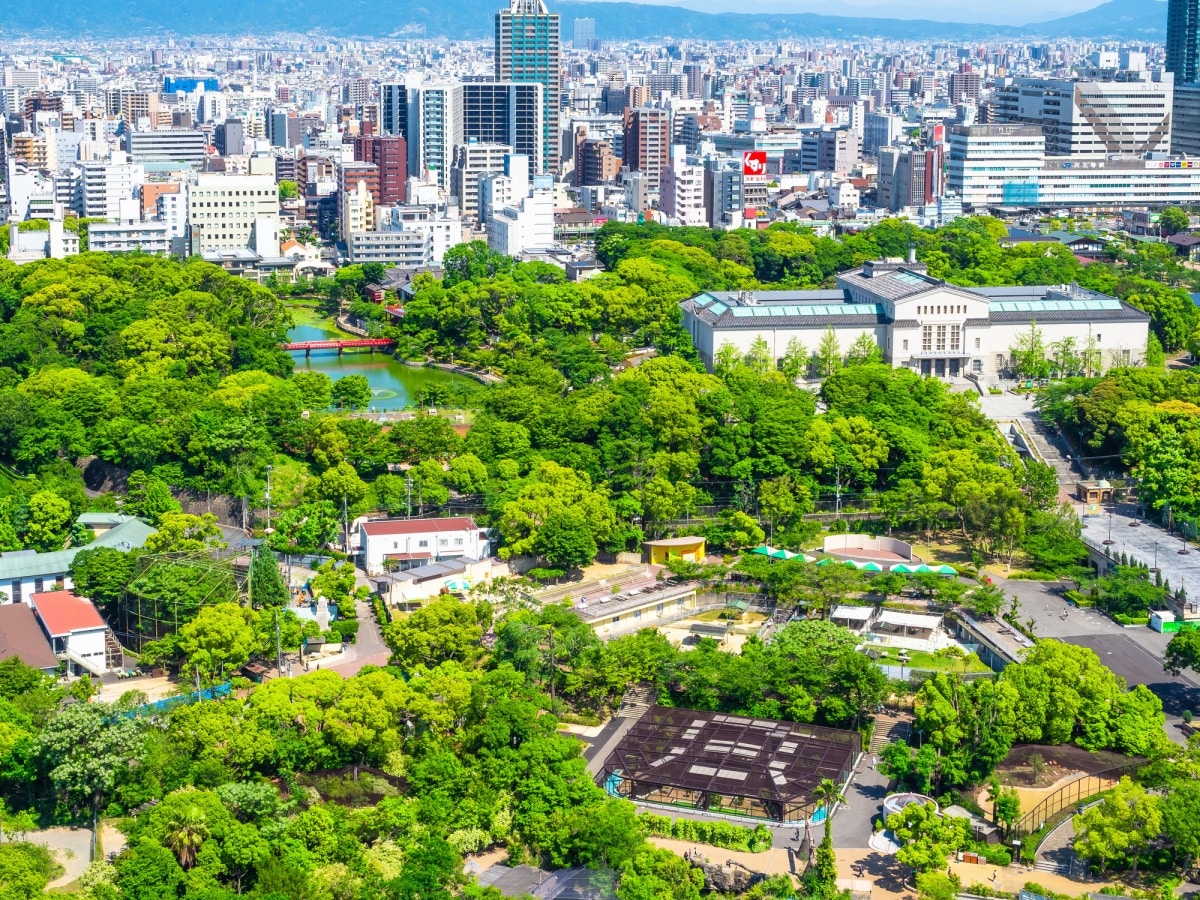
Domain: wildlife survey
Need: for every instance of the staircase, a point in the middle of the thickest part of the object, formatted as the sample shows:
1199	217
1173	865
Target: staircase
638	698
114	653
889	728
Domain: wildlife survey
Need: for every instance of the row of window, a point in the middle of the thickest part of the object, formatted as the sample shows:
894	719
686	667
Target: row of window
442	542
942	310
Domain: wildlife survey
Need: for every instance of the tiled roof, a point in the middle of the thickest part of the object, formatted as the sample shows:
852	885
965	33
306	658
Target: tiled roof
62	612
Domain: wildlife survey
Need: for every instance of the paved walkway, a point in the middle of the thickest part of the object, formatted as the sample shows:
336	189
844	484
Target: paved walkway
854	821
70	847
368	648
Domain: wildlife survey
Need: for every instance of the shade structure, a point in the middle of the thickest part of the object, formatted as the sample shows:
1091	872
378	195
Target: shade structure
827	561
904	568
870	567
924	569
458	584
945	570
762	550
782	554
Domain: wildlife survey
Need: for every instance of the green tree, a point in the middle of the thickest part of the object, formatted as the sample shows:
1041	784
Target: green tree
49	521
1029	354
1173	220
822	880
288	190
219	641
795	361
1183	652
864	351
564	540
1118	827
186	832
828	357
87	751
316	390
351	392
101	574
266	582
1180	807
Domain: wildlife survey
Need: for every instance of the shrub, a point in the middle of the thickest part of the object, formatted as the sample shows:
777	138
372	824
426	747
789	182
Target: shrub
995	855
345	629
716	833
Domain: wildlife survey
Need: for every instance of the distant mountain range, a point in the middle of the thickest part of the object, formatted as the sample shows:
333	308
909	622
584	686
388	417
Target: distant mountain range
1116	19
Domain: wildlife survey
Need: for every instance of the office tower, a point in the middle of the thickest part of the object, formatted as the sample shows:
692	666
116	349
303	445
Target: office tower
647	133
253	224
507	113
389	154
351	174
828	150
909	176
1183	40
1185	123
964	86
435	127
230	137
585	34
175	145
471	161
528	49
880	130
210	108
356	212
103	185
393	109
996	164
356	90
1127	114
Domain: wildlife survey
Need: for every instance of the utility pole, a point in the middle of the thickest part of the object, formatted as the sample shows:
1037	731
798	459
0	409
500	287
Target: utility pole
346	522
837	493
552	670
269	468
278	646
408	496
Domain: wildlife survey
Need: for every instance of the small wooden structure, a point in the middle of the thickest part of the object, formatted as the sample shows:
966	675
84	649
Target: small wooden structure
657	553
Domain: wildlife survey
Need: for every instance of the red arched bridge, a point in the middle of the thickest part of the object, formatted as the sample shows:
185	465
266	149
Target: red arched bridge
371	344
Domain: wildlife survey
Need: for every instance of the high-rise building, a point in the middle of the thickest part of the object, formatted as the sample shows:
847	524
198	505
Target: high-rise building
584	37
964	86
435	127
233	212
1183	40
356	211
393	109
880	130
471	161
909	176
103	185
175	145
528	49
506	112
647	142
351	174
596	162
1116	113
230	137
1185	123
682	189
390	155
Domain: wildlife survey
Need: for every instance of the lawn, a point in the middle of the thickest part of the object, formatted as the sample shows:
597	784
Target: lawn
919	659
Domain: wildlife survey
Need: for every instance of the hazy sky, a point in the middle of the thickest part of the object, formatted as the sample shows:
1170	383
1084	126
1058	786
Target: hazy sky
1012	12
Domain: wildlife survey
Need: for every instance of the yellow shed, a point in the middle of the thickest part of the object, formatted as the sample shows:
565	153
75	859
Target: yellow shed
658	552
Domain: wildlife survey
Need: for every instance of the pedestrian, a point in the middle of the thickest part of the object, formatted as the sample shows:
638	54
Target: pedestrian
874	760
995	875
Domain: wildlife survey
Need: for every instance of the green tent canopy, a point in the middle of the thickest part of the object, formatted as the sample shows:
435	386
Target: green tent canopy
827	561
783	554
904	568
763	550
870	567
945	570
924	569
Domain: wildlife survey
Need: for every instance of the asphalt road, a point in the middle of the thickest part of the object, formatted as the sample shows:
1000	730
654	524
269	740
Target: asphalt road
1133	653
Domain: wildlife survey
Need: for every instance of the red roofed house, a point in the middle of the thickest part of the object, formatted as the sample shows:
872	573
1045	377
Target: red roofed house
75	629
407	543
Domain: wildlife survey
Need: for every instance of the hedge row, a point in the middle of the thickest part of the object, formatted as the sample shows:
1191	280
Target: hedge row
717	833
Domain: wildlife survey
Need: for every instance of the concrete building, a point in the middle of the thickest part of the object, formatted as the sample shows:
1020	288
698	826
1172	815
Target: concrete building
104	185
1183	40
595	161
230	137
389	155
436	126
21	637
30	246
233	212
528	224
909	176
1092	117
393	109
409	237
827	150
507	113
356	210
647	139
528	48
127	233
1006	165
471	161
407	543
920	323
76	631
681	194
880	130
183	146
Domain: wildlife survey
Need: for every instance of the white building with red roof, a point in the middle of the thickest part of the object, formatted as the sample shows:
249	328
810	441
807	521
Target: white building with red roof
75	629
407	543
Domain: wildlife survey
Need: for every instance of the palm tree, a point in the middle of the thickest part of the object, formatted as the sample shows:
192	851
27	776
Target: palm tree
185	833
827	793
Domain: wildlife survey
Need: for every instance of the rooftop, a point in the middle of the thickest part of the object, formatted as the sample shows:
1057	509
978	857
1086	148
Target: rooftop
21	637
779	763
62	612
606	603
27	564
382	527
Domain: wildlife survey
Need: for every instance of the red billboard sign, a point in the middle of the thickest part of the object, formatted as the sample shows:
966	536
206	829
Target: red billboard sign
754	164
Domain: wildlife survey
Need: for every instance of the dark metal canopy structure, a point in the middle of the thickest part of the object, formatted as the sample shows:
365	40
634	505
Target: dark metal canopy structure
760	768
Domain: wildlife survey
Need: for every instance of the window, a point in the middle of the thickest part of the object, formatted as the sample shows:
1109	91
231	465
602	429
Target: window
977	366
395	545
1097	339
941	337
906	345
422	543
955	338
442	542
458	542
976	343
926	338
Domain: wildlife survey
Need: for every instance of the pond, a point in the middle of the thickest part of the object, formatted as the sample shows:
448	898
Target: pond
393	384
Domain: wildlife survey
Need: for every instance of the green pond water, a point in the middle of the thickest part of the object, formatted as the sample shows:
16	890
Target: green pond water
393	384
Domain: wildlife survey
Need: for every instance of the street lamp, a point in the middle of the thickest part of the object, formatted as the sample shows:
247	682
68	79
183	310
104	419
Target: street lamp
1109	541
1155	567
269	468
